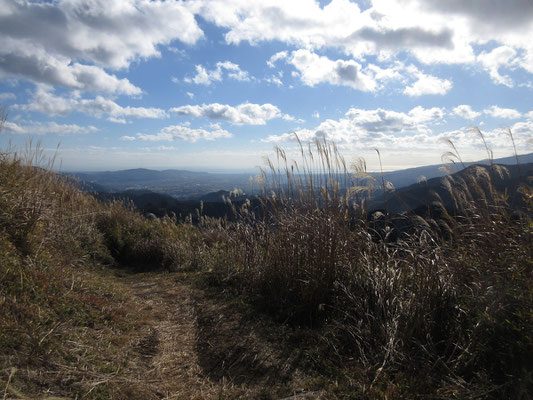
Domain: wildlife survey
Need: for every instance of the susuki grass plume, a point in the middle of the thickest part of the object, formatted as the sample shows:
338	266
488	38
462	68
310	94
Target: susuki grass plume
449	296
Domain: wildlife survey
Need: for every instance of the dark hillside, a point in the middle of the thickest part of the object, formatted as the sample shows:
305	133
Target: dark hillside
162	205
420	195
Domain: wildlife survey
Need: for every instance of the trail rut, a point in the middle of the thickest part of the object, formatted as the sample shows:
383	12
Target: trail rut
193	347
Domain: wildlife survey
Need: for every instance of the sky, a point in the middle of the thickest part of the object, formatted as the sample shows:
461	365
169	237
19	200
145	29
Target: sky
215	85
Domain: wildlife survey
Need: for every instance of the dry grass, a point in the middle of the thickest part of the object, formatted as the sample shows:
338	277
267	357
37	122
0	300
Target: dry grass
346	309
67	328
439	315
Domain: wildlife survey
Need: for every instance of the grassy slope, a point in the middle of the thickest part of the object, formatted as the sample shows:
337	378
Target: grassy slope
341	313
66	322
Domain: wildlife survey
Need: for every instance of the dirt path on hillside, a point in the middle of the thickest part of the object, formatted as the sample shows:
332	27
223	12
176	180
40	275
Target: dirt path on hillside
165	364
194	346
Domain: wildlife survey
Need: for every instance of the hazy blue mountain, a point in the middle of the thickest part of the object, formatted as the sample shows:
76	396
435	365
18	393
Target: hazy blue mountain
406	177
180	184
209	187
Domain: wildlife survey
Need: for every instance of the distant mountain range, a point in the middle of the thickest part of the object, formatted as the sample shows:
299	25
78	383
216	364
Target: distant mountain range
189	185
417	198
180	184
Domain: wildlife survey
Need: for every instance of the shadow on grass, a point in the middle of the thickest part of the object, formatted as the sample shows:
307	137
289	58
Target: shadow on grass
238	345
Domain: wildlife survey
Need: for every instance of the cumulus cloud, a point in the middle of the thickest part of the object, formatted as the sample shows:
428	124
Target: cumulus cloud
366	127
433	31
414	131
205	77
184	132
40	128
71	43
420	114
466	112
506	113
339	23
46	102
301	22
282	55
497	139
426	84
243	114
314	69
496	59
39	67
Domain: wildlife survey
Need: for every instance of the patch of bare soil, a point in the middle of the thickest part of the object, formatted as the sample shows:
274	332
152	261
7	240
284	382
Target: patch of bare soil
196	346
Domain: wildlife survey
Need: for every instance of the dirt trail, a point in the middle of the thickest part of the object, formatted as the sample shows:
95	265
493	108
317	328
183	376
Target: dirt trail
165	359
192	346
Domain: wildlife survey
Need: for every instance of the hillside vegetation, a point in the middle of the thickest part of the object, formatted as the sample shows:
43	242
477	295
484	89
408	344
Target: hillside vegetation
442	309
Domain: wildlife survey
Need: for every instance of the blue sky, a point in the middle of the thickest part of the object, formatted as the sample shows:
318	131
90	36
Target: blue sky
216	84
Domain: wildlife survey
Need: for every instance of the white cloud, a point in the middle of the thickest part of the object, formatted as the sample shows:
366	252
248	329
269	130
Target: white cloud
466	112
420	114
7	96
46	102
316	114
117	120
314	69
71	43
383	75
184	132
287	117
127	138
39	128
370	127
243	114
39	67
426	84
497	139
281	55
205	77
411	133
179	52
275	80
496	59
433	31
383	29
300	22
506	113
